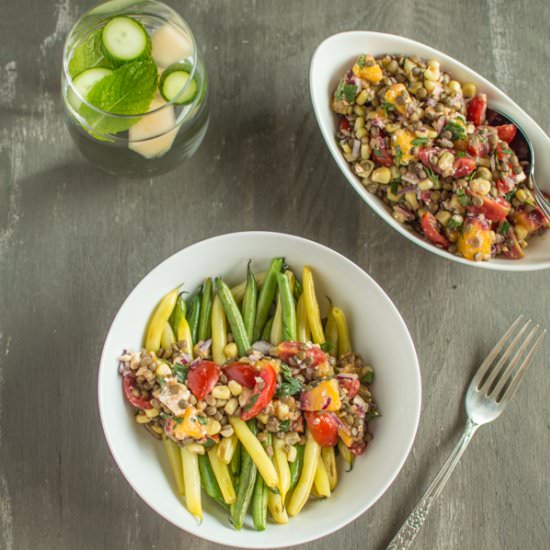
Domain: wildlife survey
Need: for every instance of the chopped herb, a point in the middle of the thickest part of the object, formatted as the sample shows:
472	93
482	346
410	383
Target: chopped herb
284	425
368	377
253	400
460	154
349	92
462	197
378	153
361	61
420	141
433	176
509	196
387	106
178	419
202	420
339	93
290	385
181	372
163	415
453	224
328	347
398	155
209	443
372	414
504	228
394	186
458	131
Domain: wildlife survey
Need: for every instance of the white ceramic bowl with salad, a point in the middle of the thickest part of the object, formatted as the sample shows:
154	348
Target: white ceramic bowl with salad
335	55
377	331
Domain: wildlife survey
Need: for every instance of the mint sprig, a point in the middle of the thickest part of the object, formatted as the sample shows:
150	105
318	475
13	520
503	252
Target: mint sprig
127	91
88	55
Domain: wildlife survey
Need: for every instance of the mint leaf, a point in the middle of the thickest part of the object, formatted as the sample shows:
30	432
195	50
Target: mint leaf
88	54
127	91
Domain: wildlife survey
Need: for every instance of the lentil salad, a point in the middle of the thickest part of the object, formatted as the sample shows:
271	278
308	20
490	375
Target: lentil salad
254	422
421	142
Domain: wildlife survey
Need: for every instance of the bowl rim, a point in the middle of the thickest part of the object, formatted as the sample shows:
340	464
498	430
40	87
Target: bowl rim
408	342
380	208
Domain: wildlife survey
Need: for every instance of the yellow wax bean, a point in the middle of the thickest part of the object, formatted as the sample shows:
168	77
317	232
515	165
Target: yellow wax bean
158	321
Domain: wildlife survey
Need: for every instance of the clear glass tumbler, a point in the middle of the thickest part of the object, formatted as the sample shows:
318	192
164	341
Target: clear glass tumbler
124	116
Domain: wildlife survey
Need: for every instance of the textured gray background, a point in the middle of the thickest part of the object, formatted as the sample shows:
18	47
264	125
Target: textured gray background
73	242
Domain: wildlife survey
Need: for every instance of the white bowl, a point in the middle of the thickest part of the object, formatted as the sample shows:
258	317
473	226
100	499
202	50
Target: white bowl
378	332
336	55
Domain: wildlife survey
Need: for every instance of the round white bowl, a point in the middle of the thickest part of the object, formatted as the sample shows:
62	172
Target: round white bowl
336	54
378	333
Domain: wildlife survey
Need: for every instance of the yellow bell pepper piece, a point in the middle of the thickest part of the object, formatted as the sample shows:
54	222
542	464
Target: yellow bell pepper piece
475	240
190	425
403	139
367	69
399	97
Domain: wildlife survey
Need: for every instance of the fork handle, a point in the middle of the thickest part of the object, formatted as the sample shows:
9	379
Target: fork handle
412	525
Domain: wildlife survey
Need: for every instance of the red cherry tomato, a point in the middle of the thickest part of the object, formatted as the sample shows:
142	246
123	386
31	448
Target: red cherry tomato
507	132
314	354
477	109
344	125
323	427
202	378
478	145
513	249
429	226
262	394
428	156
242	373
505	186
358	447
463	167
380	153
351	385
128	384
495	209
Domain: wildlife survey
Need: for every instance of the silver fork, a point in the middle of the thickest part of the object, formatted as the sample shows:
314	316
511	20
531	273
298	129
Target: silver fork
490	390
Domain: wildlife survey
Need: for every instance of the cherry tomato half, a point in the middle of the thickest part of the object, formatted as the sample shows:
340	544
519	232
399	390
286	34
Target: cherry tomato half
323	427
477	109
507	132
463	166
351	385
128	384
263	392
202	378
242	373
314	354
495	209
428	223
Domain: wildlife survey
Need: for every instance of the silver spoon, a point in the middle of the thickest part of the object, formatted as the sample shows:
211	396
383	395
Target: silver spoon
525	153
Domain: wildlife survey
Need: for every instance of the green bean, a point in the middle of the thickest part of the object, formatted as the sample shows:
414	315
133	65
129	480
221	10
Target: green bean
247	482
296	467
265	299
233	316
266	334
249	302
288	308
208	480
193	316
178	313
259	504
205	328
235	464
297	289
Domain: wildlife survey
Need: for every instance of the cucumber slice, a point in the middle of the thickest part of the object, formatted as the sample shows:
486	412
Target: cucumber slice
172	81
124	39
84	82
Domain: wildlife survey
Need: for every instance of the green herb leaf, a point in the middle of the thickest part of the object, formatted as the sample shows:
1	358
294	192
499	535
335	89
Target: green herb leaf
202	420
398	156
290	385
163	415
463	198
284	425
88	54
504	228
209	443
368	377
361	61
460	154
432	175
349	91
253	400
181	372
453	224
339	93
394	186
387	106
372	414
127	91
327	347
509	196
420	141
458	131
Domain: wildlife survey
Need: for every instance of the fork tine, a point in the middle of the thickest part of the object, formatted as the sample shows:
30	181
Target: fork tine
507	372
486	386
518	377
488	361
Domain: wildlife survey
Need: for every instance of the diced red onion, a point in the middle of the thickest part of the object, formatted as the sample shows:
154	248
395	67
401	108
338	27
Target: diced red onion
263	347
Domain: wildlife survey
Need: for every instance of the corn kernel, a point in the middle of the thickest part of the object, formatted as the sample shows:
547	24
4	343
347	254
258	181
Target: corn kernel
359	110
157	429
221	392
283	411
392	196
163	370
359	123
411	200
432	72
484	173
429	85
521	232
291	454
263	418
234	387
231	406
469	89
425	184
362	132
446	163
381	175
195	448
213	426
230	350
361	99
346	148
480	185
142	418
443	216
454	87
365	151
152	412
